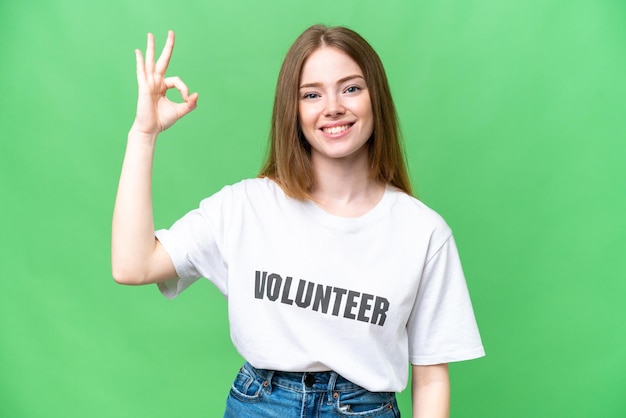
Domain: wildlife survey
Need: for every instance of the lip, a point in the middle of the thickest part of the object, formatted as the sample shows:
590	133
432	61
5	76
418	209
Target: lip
336	124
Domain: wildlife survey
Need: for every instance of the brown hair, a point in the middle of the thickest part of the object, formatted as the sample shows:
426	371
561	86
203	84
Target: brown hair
288	161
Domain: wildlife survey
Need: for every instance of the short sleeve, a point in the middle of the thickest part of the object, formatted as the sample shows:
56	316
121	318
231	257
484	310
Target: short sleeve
195	243
442	327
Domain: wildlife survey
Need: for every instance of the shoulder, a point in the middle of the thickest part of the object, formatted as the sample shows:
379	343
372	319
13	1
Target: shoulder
416	222
255	191
415	212
262	185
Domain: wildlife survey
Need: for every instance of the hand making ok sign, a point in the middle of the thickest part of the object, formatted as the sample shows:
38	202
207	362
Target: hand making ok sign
155	112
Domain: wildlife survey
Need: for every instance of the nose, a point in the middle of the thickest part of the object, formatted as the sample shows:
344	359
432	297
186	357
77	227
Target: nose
334	106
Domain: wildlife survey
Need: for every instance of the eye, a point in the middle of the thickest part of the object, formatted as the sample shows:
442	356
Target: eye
353	89
310	96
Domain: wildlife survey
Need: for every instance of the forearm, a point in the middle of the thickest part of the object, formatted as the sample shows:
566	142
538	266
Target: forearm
133	241
431	391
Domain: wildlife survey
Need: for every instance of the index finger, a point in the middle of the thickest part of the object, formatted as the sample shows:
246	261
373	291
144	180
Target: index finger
164	59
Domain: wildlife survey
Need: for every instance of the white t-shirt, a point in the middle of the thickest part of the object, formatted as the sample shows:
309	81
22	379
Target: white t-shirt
310	291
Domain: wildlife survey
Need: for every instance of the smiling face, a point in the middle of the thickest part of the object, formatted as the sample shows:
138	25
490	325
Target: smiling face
334	109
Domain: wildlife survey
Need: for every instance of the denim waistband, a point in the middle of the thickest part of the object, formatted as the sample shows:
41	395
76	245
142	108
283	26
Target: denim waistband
304	381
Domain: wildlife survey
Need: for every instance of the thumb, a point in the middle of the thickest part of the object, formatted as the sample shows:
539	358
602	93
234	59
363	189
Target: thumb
187	106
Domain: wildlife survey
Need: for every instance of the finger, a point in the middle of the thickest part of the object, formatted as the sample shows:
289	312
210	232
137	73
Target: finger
166	54
141	68
176	82
150	54
190	104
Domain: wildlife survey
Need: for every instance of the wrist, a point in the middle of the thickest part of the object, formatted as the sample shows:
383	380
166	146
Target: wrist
138	136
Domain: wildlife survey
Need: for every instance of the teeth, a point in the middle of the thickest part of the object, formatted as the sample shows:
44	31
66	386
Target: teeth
336	129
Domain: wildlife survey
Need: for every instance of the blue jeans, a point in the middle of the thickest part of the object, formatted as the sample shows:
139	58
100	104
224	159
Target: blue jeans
258	393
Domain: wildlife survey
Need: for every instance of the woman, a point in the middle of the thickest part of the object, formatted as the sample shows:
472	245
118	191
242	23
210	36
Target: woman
336	276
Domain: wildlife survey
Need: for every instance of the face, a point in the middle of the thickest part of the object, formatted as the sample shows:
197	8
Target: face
334	107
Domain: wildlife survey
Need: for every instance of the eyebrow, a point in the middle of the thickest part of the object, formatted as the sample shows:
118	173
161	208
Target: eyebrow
340	81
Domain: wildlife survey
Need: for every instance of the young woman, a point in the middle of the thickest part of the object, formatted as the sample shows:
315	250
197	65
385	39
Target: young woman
336	277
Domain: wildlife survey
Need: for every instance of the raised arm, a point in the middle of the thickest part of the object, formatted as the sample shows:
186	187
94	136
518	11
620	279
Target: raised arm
136	255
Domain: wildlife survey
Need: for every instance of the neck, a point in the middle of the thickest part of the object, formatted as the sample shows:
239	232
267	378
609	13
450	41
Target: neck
344	188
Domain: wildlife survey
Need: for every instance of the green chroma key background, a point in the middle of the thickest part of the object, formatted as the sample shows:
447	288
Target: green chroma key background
513	116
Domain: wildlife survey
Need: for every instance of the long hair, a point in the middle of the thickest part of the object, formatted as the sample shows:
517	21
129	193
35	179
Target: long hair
288	161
